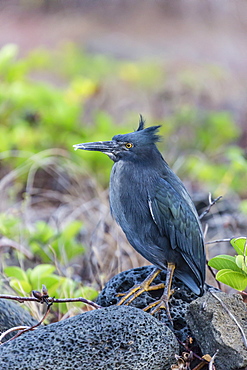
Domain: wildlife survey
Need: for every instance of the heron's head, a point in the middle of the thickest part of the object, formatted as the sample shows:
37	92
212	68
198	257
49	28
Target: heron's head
129	146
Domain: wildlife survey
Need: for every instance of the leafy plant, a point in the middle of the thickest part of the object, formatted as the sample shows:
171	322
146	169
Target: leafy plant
51	244
55	249
45	241
23	282
232	269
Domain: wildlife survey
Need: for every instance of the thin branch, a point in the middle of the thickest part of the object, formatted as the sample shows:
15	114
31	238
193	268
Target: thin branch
211	363
200	366
50	300
15	328
213	274
31	327
40	297
219	241
194	354
232	317
243	293
205	231
211	203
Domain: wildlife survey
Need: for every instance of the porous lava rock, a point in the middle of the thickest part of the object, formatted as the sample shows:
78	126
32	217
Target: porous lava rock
113	338
178	303
12	315
216	331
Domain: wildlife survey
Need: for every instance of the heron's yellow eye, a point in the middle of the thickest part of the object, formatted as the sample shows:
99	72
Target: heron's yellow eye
128	145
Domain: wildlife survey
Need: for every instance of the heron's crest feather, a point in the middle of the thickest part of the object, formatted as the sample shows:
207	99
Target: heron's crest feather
150	132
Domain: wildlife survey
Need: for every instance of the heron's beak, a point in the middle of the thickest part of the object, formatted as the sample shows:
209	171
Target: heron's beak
99	146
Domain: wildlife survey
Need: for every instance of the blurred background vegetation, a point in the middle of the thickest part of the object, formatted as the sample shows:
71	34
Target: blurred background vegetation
83	72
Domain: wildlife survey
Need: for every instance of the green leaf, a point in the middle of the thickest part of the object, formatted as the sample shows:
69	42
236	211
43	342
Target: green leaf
73	249
39	272
241	262
41	251
20	286
234	279
239	245
224	262
71	230
43	232
16	272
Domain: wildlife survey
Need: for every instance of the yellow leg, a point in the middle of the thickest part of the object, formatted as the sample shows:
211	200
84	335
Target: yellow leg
163	301
136	290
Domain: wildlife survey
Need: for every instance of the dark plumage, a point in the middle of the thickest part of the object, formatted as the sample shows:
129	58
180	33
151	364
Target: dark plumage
152	206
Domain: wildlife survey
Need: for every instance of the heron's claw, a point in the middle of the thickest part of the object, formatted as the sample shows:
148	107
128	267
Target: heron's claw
137	290
161	303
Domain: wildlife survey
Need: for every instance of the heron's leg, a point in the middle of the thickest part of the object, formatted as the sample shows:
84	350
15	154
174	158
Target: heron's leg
145	286
163	301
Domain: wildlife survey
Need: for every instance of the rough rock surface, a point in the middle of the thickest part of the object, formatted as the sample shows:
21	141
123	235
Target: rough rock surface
215	330
109	338
11	315
178	303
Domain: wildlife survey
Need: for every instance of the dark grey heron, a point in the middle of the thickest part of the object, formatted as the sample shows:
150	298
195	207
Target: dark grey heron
155	211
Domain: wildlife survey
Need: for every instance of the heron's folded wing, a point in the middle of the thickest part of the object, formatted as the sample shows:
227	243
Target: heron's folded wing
177	220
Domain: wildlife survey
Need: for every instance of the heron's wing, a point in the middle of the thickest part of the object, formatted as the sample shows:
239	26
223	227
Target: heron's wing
175	216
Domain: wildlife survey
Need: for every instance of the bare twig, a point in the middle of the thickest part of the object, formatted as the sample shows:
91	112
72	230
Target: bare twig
213	274
243	293
232	317
205	231
200	366
40	297
15	328
211	363
211	203
31	327
50	300
194	354
219	241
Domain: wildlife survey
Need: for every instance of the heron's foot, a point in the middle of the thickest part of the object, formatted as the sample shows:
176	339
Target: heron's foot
164	300
162	303
138	289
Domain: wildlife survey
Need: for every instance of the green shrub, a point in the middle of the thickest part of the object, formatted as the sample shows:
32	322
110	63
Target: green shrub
232	270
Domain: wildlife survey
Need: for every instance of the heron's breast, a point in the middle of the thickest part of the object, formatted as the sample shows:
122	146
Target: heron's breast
129	191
